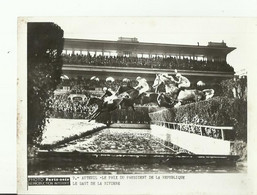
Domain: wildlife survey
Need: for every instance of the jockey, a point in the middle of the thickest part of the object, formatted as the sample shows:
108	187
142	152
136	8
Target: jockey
107	92
182	82
170	78
108	95
142	85
127	83
125	86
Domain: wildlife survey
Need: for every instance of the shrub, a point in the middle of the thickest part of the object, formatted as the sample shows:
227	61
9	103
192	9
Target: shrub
234	88
45	44
218	111
126	116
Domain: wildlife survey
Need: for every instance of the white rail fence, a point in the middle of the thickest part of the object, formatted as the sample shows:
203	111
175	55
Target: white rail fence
217	132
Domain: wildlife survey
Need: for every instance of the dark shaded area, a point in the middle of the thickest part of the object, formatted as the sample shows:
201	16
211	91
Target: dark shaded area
140	115
109	163
45	45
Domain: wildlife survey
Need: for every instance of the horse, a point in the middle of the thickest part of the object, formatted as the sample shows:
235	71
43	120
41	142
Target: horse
131	95
165	101
108	107
101	106
172	93
125	97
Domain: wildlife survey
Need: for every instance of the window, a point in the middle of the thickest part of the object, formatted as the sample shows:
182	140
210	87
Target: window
84	52
69	52
76	52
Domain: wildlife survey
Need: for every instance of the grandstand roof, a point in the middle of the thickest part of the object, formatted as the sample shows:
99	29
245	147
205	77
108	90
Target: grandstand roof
146	48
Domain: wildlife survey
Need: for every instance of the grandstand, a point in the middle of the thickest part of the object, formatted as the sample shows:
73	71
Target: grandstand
129	58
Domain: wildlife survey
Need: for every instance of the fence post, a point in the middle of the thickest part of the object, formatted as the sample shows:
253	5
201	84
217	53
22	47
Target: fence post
222	134
201	130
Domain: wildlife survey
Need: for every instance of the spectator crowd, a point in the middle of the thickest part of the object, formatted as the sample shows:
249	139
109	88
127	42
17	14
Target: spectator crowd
61	106
152	62
82	85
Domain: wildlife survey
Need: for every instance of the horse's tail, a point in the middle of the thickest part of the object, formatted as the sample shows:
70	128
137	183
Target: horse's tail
208	93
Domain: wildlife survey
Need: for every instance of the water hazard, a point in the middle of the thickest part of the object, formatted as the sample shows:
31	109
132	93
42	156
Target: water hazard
119	141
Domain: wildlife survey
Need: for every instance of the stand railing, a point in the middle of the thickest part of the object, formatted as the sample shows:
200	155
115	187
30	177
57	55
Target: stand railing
224	133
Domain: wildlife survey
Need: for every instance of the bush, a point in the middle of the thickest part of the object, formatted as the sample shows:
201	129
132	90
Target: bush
126	116
239	148
234	88
45	45
218	111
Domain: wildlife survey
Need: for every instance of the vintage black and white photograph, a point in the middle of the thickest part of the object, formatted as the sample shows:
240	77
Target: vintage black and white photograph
149	98
136	96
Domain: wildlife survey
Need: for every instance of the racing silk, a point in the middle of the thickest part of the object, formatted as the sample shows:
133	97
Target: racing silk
142	86
109	96
183	82
107	93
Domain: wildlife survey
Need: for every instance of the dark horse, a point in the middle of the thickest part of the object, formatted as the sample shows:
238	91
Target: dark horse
126	97
132	96
102	106
173	97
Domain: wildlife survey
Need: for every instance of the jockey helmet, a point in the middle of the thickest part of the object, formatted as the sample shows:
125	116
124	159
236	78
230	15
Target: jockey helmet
93	78
138	78
126	80
178	75
200	83
105	89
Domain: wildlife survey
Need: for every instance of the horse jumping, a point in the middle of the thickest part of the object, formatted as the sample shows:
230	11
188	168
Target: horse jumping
171	94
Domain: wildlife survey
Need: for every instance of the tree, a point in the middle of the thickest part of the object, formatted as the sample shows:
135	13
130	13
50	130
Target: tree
44	48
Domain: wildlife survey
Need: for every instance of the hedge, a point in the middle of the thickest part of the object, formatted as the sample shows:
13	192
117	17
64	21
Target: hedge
236	87
140	115
218	111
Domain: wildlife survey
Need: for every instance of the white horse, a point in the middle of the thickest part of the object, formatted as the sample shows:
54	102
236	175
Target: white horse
171	90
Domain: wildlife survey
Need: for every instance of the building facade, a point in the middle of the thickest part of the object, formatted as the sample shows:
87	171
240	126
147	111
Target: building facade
214	53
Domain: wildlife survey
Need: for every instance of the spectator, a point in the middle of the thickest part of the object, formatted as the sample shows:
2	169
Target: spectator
154	62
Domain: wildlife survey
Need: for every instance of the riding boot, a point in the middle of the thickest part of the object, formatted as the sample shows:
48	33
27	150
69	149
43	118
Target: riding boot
179	89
